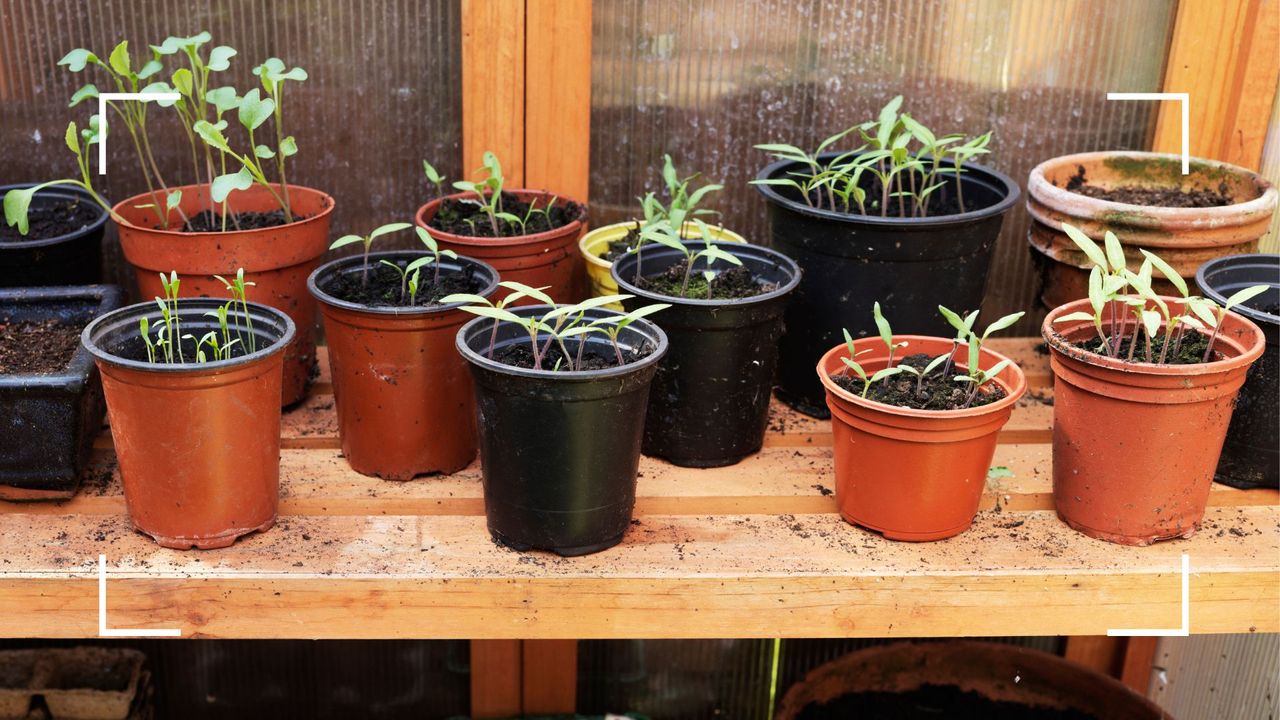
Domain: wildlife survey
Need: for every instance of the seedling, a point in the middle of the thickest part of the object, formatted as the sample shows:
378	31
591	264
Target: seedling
434	177
851	364
907	160
367	242
1109	278
963	327
977	377
433	258
518	291
214	345
921	374
199	109
886	333
17	202
488	191
663	234
557	324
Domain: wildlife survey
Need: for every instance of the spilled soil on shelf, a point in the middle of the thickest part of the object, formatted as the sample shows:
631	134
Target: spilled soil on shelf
734	282
37	347
462	216
53	217
935	392
930	702
1172	197
385	287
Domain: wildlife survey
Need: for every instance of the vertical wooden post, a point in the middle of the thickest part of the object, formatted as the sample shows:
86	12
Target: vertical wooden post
1139	655
493	85
550	676
526	96
1223	55
557	131
496	679
1097	652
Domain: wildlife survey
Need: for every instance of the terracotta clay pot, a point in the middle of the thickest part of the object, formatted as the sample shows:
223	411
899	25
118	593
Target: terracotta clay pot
1135	444
198	444
546	259
1183	237
278	259
913	474
403	393
996	671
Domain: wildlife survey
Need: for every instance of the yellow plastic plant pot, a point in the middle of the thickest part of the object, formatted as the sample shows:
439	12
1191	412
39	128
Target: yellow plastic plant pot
595	244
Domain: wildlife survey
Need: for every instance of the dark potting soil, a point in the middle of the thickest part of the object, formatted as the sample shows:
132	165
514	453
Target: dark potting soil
929	702
134	349
1151	196
460	216
620	247
383	288
50	219
212	222
39	347
942	202
1189	352
935	393
521	356
732	283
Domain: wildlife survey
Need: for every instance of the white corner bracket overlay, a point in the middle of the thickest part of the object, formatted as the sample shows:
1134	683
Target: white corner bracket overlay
103	99
1183	631
103	630
1185	99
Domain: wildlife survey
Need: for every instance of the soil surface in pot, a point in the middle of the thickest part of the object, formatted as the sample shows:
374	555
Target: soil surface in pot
521	356
931	702
50	219
1189	352
732	283
934	393
39	347
620	247
207	221
460	216
1150	196
134	349
385	283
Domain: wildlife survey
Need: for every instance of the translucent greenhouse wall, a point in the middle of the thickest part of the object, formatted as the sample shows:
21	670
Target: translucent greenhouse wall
384	90
705	81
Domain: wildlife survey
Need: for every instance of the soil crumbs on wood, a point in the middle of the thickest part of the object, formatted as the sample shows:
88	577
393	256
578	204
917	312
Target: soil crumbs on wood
464	216
935	393
733	283
53	217
37	348
933	701
1151	196
207	221
385	286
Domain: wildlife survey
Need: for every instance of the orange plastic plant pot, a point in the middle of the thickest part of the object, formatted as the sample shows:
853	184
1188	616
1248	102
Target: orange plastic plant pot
546	259
198	444
1135	445
912	474
404	394
277	259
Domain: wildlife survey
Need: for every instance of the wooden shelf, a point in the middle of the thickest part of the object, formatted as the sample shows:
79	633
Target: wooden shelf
754	550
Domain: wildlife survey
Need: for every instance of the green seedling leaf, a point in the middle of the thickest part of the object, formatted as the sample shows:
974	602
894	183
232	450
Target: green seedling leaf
223	99
1115	253
495	313
1004	322
220	58
16	204
289	147
77	59
119	59
886	333
1086	245
1167	270
183	81
211	135
72	139
84	93
1072	317
389	228
254	109
999	471
1246	295
224	185
527	291
264	152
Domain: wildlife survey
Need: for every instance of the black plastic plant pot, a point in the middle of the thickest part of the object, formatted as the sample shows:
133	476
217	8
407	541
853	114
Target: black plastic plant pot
709	405
560	450
48	421
849	262
73	258
1250	458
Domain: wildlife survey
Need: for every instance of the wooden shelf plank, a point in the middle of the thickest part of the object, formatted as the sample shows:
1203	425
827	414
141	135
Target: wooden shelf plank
753	550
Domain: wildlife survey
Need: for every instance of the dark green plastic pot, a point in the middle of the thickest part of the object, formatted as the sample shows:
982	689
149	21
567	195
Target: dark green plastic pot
560	450
709	405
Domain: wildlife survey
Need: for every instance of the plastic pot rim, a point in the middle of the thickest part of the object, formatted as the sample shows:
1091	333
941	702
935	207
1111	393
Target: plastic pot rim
205	368
480	360
1269	260
396	310
1058	342
81	360
573	227
1011	188
69	194
781	261
1013	393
